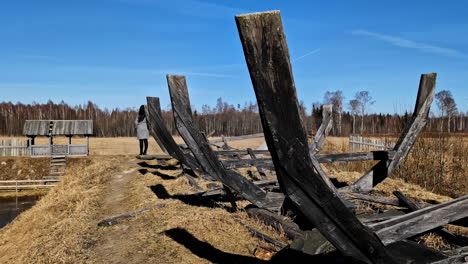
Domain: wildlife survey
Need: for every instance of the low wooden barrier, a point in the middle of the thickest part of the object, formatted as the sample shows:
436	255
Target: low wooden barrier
18	185
358	142
14	147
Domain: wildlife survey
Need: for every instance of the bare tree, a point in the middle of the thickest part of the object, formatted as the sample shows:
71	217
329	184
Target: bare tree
365	100
336	99
354	107
446	105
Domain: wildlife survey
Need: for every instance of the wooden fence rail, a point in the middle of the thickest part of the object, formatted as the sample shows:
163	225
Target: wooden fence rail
26	184
358	142
14	147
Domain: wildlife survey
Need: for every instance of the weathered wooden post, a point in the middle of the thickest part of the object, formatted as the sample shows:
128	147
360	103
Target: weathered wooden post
323	131
203	152
384	168
161	134
87	144
267	57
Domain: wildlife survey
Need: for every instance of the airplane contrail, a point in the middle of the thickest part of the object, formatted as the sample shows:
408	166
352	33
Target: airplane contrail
305	55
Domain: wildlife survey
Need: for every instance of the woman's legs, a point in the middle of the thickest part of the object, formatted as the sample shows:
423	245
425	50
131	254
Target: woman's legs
145	141
141	146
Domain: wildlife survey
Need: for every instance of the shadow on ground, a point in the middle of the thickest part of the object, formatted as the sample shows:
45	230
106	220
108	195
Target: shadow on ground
212	254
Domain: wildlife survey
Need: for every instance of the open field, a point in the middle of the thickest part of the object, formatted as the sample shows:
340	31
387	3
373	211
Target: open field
438	162
128	145
62	227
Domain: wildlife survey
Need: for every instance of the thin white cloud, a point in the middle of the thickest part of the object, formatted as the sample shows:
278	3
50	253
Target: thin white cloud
405	43
305	55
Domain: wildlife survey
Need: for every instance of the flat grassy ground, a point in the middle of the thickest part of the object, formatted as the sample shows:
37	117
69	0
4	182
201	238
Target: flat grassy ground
62	227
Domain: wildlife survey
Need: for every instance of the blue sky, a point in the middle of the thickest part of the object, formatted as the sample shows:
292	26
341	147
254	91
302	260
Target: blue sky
117	52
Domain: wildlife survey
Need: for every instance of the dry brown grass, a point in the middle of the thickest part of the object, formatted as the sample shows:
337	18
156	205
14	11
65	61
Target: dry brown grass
439	163
23	168
130	145
62	228
59	228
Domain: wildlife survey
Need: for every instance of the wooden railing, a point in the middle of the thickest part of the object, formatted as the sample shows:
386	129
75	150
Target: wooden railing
14	147
358	142
18	185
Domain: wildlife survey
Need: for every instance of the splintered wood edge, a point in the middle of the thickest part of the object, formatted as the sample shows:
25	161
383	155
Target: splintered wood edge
249	15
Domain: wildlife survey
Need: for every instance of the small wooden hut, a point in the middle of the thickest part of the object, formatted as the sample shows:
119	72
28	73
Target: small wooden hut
53	128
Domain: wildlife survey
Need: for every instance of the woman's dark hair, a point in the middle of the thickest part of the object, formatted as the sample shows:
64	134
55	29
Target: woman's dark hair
141	113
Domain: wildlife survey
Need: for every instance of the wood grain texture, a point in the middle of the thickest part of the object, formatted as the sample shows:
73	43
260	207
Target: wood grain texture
259	169
204	154
323	131
267	57
383	169
420	221
59	128
321	158
444	233
159	131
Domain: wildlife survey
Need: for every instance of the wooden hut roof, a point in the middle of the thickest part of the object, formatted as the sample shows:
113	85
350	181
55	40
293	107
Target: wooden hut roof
58	127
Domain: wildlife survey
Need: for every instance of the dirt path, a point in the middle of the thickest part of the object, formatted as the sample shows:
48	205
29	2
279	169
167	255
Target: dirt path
113	244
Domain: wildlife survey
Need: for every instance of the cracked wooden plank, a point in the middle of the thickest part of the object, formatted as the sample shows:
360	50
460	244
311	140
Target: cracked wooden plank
422	220
159	131
267	57
323	131
203	152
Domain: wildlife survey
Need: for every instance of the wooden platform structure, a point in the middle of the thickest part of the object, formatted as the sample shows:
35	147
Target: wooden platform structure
302	181
54	128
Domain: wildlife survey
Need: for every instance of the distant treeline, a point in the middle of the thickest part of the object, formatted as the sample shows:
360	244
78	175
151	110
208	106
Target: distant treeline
223	119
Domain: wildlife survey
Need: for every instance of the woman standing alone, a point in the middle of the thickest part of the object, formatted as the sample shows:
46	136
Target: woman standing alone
141	128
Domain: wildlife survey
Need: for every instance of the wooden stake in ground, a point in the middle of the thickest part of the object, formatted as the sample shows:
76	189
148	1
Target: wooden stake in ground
205	155
158	130
267	57
384	168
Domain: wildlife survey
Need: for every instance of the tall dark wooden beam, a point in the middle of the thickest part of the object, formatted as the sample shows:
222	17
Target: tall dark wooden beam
159	131
323	131
203	152
383	169
267	57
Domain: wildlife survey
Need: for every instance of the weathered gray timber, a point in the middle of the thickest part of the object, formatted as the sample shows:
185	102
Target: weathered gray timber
259	169
456	256
422	220
60	127
321	158
203	153
158	130
236	138
240	152
374	199
324	129
244	163
407	139
14	147
444	233
267	57
224	140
